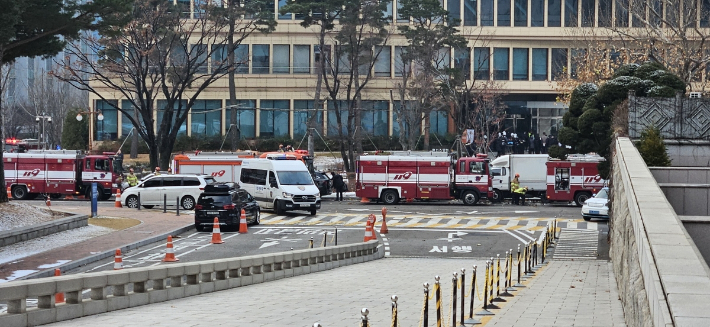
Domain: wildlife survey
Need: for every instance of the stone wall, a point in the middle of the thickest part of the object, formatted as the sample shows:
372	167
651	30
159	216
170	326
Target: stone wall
55	226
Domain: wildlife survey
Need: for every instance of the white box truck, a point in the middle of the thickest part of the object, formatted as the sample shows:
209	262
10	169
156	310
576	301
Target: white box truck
533	174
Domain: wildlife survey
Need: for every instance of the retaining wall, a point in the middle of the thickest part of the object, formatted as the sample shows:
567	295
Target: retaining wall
165	282
55	226
662	279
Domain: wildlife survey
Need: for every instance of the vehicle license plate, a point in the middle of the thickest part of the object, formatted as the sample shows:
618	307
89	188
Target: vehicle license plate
594	212
213	212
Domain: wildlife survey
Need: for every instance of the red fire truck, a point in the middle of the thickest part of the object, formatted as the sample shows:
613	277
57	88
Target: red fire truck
391	178
574	179
57	172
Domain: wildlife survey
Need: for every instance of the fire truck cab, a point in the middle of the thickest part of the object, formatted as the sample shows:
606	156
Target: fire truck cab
575	179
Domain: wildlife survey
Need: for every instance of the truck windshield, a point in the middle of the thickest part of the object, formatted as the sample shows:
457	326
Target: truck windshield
295	178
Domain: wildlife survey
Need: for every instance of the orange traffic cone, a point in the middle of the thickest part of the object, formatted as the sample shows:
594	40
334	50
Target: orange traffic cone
9	193
169	253
69	197
383	228
118	199
216	234
243	223
58	297
364	200
118	261
48	202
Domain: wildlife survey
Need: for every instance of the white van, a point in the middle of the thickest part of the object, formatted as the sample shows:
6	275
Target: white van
281	185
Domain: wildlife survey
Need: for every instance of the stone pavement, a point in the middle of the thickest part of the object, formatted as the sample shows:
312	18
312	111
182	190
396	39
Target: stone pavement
335	297
566	293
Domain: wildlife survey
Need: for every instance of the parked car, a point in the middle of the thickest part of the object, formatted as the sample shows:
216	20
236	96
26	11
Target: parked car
225	201
185	187
597	206
324	184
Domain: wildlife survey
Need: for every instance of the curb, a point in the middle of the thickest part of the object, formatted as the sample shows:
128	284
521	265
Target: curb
96	257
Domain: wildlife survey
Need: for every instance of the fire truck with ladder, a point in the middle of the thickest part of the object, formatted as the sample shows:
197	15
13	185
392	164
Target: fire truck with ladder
60	172
574	179
391	178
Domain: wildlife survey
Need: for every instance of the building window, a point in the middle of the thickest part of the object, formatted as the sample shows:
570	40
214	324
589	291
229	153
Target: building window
639	7
500	63
107	129
260	58
401	19
199	52
395	123
438	122
301	59
470	10
400	64
241	58
301	111
604	13
570	13
539	64
375	117
443	62
246	118
219	57
521	12
503	12
343	60
282	56
588	13
576	55
481	61
622	14
704	13
126	125
206	118
182	106
333	118
454	8
554	13
520	64
462	62
387	12
537	13
273	118
559	64
487	12
286	16
383	67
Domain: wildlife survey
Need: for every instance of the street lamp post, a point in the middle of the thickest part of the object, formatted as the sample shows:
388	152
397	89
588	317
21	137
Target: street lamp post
90	113
43	135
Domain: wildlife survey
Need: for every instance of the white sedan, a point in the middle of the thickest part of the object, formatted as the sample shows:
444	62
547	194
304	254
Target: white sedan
597	206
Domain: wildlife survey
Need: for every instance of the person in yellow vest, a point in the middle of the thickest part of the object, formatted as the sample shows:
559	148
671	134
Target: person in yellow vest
132	179
517	191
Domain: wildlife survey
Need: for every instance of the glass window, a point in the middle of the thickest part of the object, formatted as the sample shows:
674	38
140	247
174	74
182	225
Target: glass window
190	181
521	12
301	111
704	13
622	14
199	52
388	11
401	19
246	117
107	129
282	57
219	56
206	118
454	8
503	12
486	12
241	58
172	181
395	123
301	59
443	60
520	64
537	13
383	67
539	64
570	13
462	61
286	15
375	117
470	11
333	117
559	63
153	182
604	13
260	58
178	106
438	122
126	124
588	13
639	7
399	64
500	63
273	118
481	61
576	55
554	13
343	60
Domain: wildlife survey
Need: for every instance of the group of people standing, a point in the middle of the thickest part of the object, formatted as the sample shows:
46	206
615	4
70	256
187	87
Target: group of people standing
531	143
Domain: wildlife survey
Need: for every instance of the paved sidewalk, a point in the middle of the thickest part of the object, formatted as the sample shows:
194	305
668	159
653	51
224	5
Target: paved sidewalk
153	223
566	293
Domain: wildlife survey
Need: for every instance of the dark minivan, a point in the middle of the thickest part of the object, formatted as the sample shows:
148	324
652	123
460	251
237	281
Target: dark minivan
225	202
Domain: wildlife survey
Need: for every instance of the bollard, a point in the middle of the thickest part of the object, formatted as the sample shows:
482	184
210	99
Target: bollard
463	295
528	261
336	236
394	311
324	243
535	254
520	259
364	312
425	309
139	201
505	277
383	228
177	207
485	311
471	320
454	281
497	278
437	290
544	248
310	243
510	273
165	203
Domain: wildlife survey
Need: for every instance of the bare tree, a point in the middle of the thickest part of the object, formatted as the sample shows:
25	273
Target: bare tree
160	62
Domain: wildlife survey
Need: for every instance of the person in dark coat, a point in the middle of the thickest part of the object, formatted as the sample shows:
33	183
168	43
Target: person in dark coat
338	185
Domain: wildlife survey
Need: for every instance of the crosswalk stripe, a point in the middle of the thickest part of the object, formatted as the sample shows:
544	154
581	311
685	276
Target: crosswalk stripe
577	244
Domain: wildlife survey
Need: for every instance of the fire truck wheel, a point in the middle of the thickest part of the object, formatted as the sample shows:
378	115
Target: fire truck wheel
132	202
389	197
497	196
580	197
469	198
20	192
188	202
